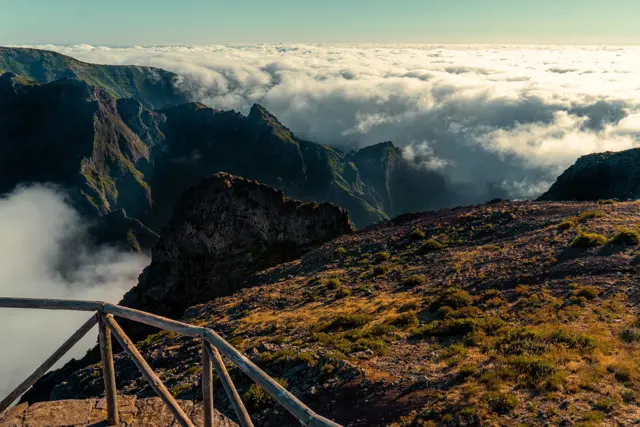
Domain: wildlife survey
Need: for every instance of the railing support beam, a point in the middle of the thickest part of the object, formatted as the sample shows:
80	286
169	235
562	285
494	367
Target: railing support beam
108	373
48	364
232	393
148	373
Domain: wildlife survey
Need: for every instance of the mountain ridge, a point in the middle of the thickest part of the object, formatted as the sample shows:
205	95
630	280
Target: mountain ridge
117	155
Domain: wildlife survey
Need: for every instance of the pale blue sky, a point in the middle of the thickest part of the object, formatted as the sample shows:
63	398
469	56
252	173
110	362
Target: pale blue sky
145	22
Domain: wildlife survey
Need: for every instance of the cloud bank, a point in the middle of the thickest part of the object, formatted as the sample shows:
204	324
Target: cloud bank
505	118
43	254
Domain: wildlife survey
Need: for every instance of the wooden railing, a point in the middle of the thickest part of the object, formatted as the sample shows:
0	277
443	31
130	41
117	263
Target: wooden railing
212	346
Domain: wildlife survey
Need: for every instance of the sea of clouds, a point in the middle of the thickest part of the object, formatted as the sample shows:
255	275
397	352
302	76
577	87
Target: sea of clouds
505	119
44	254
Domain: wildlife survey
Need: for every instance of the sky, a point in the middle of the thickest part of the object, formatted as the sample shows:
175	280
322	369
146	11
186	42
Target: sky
166	22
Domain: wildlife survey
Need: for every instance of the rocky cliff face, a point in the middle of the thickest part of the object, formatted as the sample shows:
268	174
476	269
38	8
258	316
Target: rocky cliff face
599	176
222	231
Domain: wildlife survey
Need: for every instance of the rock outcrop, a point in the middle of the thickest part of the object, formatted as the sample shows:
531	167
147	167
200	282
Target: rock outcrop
609	175
93	412
223	230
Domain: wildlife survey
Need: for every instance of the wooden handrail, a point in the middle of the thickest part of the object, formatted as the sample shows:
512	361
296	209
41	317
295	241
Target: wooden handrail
214	343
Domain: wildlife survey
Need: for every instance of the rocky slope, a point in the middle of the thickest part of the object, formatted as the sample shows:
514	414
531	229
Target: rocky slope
154	87
125	166
501	314
599	176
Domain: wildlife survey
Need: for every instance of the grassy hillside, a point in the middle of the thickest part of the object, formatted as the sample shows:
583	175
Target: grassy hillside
152	86
503	314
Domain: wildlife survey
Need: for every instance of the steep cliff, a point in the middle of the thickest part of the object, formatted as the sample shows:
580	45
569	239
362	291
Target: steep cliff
223	230
599	176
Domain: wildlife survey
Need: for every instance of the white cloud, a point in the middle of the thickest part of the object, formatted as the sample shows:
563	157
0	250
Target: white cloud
43	255
496	113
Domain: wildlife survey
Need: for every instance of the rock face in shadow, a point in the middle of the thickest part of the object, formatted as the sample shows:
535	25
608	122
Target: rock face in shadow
223	230
609	175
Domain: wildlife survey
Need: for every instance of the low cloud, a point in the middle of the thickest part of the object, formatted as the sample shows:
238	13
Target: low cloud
494	116
44	254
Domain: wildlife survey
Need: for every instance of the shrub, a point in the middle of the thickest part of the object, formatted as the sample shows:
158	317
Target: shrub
405	319
255	398
630	335
629	396
430	245
502	403
587	292
333	284
566	225
380	270
607	202
585	216
416	235
467	371
347	321
606	403
413	281
342	293
626	237
623	371
533	368
452	297
381	257
341	252
588	240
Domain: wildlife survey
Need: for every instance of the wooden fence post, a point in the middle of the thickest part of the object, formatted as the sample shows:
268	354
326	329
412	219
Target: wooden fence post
148	373
108	373
207	386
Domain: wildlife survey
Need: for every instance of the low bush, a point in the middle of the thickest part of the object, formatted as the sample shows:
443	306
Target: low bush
626	237
381	257
588	240
452	297
346	321
413	281
333	284
416	235
501	403
430	245
342	293
255	398
587	292
585	216
566	225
